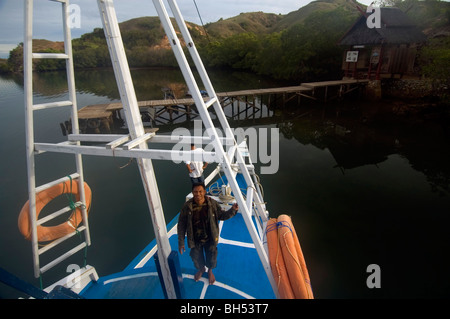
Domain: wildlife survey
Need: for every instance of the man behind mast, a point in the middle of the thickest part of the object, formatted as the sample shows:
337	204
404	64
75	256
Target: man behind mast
196	168
199	218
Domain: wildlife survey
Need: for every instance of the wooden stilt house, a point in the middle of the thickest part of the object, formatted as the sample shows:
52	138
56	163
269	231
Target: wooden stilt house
384	49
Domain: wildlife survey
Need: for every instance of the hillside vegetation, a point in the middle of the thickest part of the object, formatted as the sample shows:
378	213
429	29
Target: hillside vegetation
301	45
254	22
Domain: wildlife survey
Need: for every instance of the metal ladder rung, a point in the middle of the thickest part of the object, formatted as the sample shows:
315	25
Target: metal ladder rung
231	152
51	105
138	141
50	56
250	168
57	213
117	142
60	240
249	199
37	152
95	138
249	202
112	140
62	257
211	102
56	182
243	149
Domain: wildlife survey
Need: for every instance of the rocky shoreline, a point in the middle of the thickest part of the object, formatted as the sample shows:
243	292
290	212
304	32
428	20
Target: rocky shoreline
411	96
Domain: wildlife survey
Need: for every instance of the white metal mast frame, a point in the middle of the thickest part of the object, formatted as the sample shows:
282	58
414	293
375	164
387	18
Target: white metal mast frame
30	142
136	130
215	103
202	107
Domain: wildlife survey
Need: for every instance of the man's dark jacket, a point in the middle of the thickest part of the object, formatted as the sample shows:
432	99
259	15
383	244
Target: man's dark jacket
215	213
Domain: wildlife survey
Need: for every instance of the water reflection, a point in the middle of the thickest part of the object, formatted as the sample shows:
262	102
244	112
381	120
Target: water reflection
148	83
363	185
356	133
355	138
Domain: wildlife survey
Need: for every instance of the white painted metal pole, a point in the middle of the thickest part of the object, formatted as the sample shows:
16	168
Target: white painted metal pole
134	123
75	129
29	127
199	65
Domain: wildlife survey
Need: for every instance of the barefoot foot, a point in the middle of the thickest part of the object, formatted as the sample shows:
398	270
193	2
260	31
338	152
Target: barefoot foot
211	277
199	274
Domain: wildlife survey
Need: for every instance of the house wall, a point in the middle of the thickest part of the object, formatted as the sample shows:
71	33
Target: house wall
399	60
396	59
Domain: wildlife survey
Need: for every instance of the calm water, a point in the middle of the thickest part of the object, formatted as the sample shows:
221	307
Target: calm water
361	186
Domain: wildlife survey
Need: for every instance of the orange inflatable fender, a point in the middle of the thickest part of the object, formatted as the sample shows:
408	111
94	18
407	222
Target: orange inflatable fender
49	233
277	262
294	259
302	262
286	259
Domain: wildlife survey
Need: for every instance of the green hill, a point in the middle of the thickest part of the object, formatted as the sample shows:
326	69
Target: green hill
254	22
299	16
298	45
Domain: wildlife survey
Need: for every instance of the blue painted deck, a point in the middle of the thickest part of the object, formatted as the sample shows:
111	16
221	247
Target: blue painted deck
239	272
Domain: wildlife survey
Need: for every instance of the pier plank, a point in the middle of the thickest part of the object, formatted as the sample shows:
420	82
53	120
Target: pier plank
101	111
290	89
332	83
93	112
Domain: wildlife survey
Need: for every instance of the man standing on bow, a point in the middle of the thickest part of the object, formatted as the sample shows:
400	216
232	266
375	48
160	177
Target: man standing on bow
199	219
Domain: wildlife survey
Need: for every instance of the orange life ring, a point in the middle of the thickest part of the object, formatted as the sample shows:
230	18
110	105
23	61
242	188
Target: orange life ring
49	233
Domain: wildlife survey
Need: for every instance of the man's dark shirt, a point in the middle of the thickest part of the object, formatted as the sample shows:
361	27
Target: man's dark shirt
200	223
214	213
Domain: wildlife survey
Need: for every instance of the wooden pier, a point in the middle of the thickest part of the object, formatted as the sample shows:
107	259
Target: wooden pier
342	87
102	115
